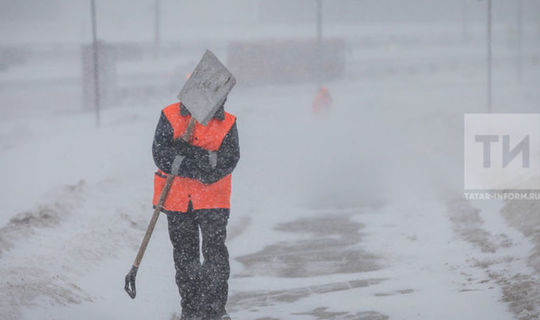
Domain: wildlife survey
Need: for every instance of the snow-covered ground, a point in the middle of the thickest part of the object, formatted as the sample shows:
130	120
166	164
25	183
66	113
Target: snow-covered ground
356	213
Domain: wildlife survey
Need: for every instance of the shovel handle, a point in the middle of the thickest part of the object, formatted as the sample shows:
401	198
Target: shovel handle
164	192
189	130
153	220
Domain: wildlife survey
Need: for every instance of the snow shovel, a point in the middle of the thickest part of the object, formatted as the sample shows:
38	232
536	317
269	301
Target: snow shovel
203	93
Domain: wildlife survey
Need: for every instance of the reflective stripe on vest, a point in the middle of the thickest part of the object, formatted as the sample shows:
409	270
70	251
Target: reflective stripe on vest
183	190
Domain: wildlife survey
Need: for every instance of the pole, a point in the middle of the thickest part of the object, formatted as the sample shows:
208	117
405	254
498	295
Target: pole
95	57
489	55
519	39
157	38
319	21
464	21
319	44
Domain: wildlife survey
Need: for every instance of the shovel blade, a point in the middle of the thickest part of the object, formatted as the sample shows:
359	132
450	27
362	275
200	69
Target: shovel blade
205	91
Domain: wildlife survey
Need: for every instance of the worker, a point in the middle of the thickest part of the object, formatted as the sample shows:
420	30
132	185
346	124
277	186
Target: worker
198	201
322	100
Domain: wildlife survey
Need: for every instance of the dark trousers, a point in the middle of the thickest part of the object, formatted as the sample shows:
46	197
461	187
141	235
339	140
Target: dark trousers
203	287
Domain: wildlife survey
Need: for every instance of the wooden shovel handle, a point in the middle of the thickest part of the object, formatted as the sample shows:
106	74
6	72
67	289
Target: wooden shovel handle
189	130
164	192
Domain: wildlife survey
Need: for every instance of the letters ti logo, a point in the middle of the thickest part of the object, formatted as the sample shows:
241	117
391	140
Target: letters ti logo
502	151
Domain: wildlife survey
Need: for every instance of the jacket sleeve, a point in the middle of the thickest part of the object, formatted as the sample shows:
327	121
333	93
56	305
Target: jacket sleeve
195	164
164	150
228	155
163	145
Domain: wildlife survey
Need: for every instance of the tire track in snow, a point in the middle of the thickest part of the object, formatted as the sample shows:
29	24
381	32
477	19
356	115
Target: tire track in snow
520	287
332	247
265	298
329	244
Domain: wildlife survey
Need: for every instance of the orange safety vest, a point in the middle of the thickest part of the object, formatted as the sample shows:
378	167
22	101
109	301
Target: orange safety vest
183	190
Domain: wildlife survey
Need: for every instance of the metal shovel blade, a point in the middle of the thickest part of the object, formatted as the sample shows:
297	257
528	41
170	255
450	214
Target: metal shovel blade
206	89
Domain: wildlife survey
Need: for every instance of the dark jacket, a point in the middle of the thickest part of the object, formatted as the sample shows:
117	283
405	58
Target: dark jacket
196	164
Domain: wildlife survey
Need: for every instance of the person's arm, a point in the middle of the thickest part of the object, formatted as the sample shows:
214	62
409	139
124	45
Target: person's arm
226	158
165	149
228	155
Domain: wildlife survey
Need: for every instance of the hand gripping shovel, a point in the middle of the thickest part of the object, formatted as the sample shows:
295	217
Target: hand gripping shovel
202	95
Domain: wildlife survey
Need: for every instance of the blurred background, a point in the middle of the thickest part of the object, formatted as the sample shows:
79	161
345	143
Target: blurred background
150	46
380	60
343	106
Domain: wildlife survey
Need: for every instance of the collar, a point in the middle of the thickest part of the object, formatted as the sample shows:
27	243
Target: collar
219	115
